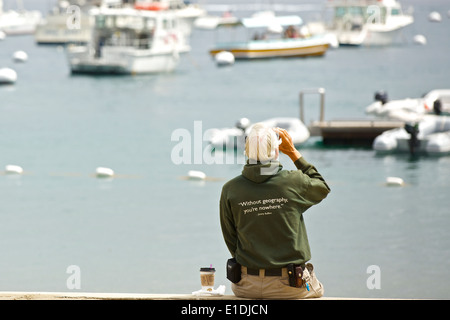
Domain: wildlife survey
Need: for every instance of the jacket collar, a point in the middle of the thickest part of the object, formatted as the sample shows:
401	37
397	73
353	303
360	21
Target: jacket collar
261	172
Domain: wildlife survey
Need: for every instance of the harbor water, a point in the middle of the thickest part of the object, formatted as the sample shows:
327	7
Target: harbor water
149	230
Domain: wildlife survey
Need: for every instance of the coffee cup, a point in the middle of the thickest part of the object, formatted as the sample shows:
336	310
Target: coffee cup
207	278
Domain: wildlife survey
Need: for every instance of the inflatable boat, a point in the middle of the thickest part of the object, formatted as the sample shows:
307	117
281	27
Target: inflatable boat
235	137
434	102
430	135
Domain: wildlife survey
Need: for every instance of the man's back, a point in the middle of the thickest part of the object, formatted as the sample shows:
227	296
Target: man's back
261	215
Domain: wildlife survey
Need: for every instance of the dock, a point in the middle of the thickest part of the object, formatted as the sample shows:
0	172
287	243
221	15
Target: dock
359	132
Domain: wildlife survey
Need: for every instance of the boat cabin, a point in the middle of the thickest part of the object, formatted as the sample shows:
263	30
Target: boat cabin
131	28
352	15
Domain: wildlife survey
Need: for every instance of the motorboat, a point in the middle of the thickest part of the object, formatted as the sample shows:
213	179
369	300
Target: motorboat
129	41
431	135
265	35
68	22
57	29
367	22
235	137
434	102
18	22
186	14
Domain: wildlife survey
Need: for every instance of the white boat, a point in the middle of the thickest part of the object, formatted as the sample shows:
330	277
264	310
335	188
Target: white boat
57	29
367	22
431	135
68	22
434	102
265	35
129	41
18	22
235	137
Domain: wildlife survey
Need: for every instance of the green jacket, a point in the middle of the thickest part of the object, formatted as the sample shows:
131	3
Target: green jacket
261	215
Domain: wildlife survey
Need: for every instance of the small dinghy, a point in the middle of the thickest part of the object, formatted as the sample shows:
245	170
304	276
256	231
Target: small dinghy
431	135
235	137
434	102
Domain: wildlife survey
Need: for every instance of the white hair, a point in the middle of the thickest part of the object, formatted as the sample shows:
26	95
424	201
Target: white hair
262	143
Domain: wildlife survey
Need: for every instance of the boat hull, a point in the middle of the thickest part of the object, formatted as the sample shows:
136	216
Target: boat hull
19	23
433	138
235	137
368	37
116	61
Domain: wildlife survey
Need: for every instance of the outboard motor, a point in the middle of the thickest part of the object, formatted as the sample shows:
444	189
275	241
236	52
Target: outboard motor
414	142
381	96
437	107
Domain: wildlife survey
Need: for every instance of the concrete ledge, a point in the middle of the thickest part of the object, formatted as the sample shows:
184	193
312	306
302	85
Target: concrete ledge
17	295
13	295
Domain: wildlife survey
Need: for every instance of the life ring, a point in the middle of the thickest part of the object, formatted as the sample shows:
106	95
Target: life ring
171	37
152	6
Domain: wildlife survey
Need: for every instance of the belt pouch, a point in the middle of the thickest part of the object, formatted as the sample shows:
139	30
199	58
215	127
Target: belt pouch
295	275
233	270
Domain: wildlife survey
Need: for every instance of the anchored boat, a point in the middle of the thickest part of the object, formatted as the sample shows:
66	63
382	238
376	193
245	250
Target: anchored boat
235	137
130	41
367	22
434	102
265	35
430	135
18	22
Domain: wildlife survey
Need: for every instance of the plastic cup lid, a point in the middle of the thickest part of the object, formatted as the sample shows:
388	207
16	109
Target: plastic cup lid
208	269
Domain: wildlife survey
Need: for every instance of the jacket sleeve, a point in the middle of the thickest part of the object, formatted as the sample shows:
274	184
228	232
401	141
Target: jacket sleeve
227	224
318	189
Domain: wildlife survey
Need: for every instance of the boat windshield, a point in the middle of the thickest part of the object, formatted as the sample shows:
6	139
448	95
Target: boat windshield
359	15
128	31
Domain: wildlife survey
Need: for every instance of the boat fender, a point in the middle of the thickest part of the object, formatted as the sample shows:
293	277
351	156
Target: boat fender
381	96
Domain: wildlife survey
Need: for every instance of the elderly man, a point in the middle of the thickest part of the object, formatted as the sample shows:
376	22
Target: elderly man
261	215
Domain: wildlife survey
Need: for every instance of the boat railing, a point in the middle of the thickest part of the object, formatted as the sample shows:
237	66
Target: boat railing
135	43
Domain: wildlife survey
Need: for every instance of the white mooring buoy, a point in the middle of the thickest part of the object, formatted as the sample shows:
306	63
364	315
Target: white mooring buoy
394	181
7	76
434	16
420	39
196	175
102	172
13	169
224	58
20	56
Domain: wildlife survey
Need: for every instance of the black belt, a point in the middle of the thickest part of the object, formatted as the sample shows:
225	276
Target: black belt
276	272
267	272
